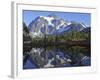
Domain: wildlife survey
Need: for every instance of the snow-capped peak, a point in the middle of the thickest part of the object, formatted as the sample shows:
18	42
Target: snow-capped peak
52	25
69	23
48	19
83	25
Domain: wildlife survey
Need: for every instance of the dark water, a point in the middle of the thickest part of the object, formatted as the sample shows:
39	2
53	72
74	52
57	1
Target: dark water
53	57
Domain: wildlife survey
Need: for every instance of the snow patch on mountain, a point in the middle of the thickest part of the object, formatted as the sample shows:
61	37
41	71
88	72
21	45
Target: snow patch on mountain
48	19
51	25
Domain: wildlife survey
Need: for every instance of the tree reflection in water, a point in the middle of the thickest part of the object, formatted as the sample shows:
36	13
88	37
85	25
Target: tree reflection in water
53	57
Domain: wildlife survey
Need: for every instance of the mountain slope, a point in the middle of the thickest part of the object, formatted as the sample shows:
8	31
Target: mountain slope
86	30
52	25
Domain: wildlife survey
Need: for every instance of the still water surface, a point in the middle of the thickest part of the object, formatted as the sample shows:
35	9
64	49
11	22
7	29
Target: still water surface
53	57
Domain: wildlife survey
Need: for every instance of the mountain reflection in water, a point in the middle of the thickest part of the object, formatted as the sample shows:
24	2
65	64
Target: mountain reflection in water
53	57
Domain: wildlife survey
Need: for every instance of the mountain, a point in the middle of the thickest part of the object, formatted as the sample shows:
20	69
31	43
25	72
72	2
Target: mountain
52	25
86	30
71	27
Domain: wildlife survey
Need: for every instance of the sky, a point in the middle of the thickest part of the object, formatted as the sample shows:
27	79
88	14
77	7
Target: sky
29	15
